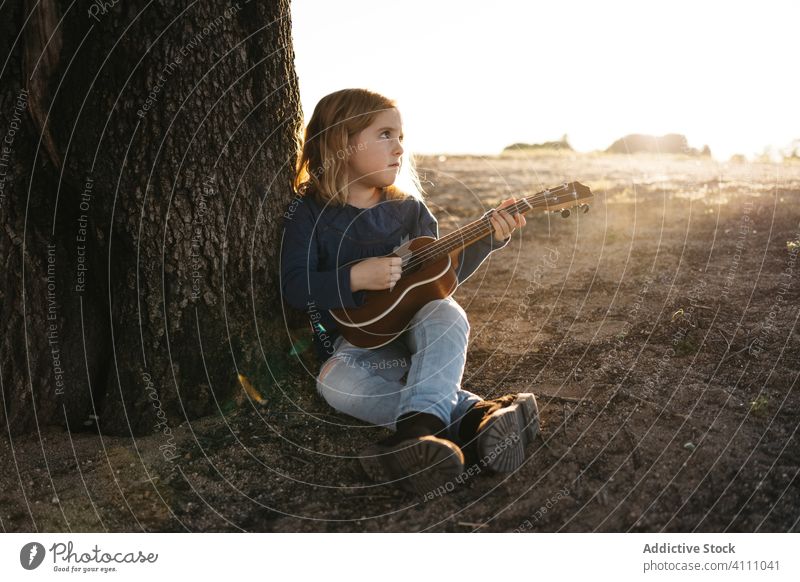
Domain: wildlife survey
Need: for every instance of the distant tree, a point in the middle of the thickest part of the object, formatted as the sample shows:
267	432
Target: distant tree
792	151
562	144
671	143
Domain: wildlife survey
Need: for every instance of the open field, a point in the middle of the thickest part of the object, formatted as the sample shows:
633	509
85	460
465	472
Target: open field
658	331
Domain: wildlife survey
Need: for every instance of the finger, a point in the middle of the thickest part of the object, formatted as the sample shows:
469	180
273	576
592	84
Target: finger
498	228
507	202
507	218
515	223
502	224
396	262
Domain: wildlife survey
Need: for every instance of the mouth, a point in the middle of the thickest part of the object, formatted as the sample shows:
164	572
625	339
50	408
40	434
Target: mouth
394	165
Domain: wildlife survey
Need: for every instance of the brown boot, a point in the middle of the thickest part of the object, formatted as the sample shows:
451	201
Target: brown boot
494	433
414	457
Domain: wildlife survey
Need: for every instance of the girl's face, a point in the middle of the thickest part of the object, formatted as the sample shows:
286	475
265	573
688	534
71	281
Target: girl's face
375	152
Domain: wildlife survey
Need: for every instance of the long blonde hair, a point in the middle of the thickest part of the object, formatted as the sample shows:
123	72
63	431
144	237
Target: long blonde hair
322	163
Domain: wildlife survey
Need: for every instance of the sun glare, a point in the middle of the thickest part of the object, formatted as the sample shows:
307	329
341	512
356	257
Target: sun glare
473	78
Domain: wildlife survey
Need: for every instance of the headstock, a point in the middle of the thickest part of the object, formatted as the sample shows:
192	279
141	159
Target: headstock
560	199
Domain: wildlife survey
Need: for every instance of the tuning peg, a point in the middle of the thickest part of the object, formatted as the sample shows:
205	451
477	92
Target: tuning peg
585	208
565	213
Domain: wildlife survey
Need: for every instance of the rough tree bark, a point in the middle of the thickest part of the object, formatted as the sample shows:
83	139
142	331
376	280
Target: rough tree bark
146	158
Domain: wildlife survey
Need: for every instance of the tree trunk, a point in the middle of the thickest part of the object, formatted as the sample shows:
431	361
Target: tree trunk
146	160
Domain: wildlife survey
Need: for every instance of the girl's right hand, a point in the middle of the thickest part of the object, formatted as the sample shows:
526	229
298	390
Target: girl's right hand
376	274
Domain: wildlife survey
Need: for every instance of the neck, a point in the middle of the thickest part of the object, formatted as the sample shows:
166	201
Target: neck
363	198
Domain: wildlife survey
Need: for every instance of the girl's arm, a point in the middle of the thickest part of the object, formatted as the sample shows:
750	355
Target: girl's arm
472	256
301	283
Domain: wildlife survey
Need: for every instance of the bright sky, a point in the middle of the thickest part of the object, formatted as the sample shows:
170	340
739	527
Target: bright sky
474	77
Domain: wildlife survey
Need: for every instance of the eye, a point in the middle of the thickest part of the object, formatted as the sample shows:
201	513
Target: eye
387	133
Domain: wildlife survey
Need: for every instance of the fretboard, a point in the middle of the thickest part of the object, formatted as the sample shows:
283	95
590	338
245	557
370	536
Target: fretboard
475	230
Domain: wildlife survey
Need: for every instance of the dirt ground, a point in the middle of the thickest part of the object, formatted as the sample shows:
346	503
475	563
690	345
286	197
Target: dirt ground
658	332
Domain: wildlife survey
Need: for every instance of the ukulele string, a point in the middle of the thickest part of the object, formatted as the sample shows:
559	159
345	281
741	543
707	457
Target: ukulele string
522	205
470	231
457	238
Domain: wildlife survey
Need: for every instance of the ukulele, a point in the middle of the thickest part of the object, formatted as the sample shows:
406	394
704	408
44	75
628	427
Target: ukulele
429	270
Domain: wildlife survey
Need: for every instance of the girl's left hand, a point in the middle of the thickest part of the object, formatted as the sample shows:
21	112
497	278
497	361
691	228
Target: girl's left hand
503	222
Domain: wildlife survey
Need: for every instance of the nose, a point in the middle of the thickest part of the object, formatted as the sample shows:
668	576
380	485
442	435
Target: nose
398	150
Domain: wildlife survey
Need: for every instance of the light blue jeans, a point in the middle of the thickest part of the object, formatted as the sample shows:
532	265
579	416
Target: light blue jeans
419	371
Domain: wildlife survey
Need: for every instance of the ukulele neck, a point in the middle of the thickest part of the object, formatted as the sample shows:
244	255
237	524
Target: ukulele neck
472	232
560	198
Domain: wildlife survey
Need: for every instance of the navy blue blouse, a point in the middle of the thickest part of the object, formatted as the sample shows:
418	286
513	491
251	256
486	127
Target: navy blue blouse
320	240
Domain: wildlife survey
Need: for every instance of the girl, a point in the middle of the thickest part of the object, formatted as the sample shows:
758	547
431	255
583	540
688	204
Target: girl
348	209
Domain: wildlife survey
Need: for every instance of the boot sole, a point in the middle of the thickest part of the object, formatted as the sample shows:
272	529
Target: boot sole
419	466
502	442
